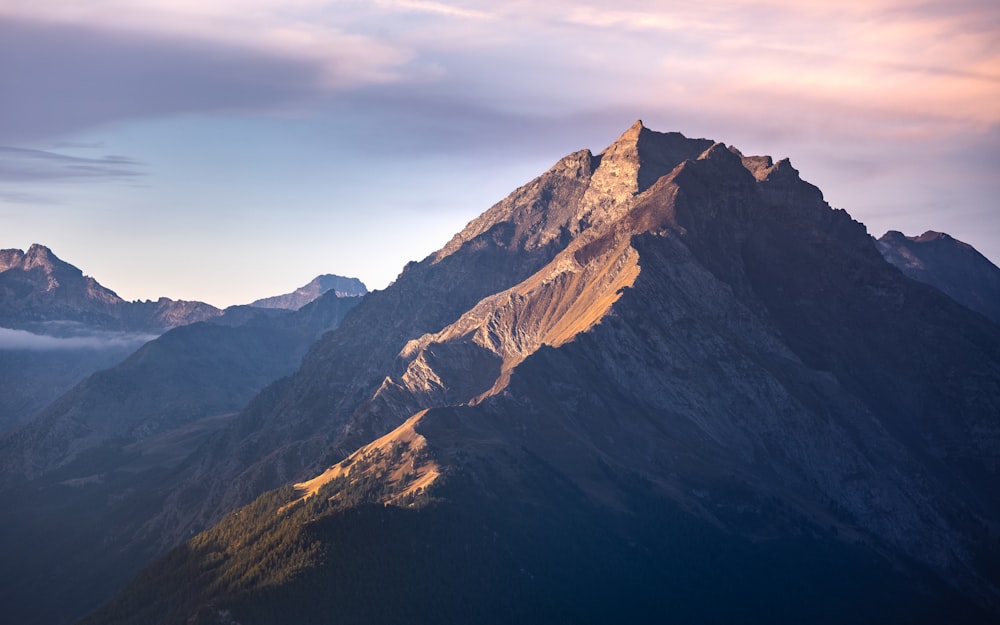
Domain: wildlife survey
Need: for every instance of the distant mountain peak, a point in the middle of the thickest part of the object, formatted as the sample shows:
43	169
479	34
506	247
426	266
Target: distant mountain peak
933	234
318	286
37	286
944	262
47	273
37	256
37	249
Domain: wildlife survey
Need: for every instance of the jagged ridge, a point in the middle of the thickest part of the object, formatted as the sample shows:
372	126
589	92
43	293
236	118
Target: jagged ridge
37	286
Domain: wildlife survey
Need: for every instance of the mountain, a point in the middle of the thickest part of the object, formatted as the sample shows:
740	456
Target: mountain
343	287
662	381
57	326
37	288
948	264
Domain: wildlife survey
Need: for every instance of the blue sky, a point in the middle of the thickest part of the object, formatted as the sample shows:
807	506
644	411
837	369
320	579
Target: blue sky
228	150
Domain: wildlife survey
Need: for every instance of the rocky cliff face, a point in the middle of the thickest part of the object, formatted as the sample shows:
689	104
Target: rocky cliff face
947	264
666	378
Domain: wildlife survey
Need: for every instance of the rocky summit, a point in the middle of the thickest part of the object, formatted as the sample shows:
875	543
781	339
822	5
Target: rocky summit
662	382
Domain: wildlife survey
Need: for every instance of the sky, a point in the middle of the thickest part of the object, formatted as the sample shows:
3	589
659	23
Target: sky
227	150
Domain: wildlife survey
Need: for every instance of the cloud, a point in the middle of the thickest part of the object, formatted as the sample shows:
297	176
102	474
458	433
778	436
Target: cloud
63	76
59	79
17	197
67	65
26	165
928	61
23	340
438	8
85	145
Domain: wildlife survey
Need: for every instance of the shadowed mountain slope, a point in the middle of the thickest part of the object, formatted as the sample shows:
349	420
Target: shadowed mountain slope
92	468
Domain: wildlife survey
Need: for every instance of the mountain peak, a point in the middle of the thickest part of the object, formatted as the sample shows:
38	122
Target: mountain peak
40	256
10	258
933	235
39	249
949	265
582	189
342	287
631	135
640	157
39	286
37	256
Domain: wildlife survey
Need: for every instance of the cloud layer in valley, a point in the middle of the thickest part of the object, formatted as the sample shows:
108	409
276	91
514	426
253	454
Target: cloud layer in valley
11	339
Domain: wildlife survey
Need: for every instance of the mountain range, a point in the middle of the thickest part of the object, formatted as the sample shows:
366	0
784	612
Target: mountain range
124	428
57	326
36	287
665	381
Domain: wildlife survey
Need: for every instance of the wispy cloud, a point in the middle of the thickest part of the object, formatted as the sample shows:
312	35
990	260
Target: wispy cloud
64	68
77	145
438	8
17	197
27	165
